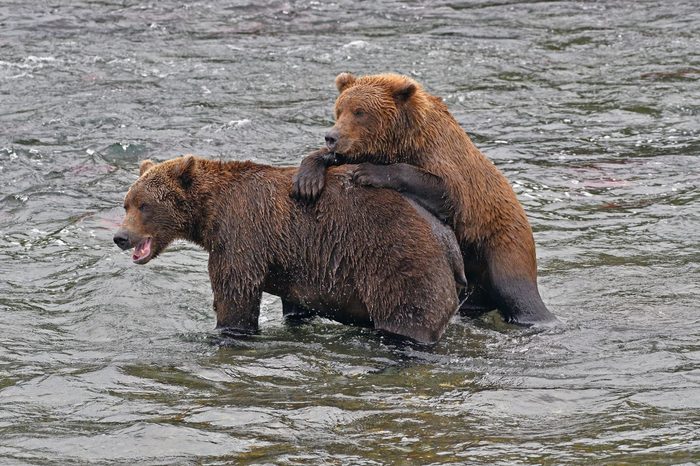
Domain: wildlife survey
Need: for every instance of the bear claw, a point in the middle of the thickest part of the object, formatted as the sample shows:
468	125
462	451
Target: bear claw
308	182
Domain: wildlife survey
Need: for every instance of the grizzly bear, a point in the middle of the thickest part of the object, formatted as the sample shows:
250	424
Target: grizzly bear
358	255
417	147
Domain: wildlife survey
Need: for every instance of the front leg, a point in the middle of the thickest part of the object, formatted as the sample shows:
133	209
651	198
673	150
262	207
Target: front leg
309	180
419	185
295	312
236	295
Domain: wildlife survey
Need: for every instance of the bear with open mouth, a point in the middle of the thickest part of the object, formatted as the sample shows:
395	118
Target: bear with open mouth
358	255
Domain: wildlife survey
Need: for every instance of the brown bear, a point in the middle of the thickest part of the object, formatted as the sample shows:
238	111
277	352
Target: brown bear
358	255
390	120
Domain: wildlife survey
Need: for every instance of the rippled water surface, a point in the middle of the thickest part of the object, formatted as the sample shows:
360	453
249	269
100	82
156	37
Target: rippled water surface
592	111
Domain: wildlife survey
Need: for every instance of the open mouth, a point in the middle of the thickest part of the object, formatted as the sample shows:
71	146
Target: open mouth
142	251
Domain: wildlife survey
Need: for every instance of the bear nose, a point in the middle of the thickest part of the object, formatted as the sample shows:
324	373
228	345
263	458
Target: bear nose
121	239
332	139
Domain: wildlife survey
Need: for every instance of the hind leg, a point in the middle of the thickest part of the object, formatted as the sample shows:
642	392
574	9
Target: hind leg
420	311
513	287
410	322
474	300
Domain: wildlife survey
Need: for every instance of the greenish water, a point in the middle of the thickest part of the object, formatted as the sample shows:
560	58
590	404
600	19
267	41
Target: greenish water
591	109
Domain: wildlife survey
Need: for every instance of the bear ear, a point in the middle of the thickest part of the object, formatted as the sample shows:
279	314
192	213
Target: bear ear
144	166
184	171
405	91
343	80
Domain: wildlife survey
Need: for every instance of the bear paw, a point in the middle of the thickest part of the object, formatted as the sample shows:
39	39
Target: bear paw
377	176
309	180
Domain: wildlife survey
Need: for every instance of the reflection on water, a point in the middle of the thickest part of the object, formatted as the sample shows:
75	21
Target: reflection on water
591	110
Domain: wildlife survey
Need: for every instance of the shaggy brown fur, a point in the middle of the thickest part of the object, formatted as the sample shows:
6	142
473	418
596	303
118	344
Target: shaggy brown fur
358	255
390	119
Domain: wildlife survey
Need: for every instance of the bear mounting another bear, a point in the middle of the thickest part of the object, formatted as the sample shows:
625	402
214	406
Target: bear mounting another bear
406	139
358	255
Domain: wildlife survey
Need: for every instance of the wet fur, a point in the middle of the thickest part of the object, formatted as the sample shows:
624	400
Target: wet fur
358	255
388	119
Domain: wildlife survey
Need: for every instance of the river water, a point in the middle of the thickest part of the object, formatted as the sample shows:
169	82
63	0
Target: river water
591	109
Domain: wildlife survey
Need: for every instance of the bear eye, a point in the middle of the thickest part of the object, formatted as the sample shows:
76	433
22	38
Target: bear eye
143	206
358	112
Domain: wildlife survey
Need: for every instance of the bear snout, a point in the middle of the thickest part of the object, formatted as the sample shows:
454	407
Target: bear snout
121	239
332	137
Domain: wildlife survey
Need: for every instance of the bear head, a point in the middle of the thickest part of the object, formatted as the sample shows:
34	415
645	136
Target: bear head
381	115
157	210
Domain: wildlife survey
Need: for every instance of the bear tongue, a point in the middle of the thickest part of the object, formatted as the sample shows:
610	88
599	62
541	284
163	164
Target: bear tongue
143	249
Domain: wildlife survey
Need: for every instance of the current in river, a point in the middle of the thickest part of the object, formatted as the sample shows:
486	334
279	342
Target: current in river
591	109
